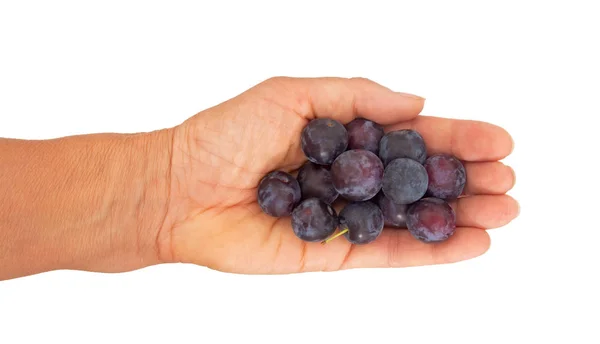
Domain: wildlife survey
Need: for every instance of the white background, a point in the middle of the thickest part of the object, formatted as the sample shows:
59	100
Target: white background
122	66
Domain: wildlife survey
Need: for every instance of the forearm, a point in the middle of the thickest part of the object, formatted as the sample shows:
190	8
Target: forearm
90	202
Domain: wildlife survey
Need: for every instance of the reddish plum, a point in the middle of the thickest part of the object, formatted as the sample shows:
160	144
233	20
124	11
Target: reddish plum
447	176
357	175
431	220
364	134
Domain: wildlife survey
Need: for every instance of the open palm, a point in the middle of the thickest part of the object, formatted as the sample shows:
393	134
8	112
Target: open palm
220	155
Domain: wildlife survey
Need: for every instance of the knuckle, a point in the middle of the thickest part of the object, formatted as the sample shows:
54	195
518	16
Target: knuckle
275	80
361	80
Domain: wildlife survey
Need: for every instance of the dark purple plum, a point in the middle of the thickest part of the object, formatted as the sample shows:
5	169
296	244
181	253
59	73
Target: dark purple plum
278	193
394	215
363	220
404	181
447	176
314	220
357	175
315	181
431	220
405	143
323	139
364	134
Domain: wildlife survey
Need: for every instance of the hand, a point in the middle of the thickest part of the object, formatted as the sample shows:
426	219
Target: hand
220	155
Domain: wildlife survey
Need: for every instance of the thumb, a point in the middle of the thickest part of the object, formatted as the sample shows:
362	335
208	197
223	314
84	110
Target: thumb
344	99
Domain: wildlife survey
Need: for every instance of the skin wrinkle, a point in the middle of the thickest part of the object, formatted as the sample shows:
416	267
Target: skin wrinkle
200	142
279	242
202	162
277	84
452	144
345	258
163	226
353	102
302	265
311	105
393	250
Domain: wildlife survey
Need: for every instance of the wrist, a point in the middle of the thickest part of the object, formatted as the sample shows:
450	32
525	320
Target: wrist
136	201
88	202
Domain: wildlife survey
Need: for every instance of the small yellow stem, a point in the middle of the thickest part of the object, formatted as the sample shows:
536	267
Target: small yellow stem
335	236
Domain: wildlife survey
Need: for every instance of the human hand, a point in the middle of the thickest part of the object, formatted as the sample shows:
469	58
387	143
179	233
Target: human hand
220	155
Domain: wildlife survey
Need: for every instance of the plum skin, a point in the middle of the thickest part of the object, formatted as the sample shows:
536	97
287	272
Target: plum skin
322	140
278	193
394	215
357	175
314	220
405	143
363	220
431	220
364	134
447	176
316	181
404	181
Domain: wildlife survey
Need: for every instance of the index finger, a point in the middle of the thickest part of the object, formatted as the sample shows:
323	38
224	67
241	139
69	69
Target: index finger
466	139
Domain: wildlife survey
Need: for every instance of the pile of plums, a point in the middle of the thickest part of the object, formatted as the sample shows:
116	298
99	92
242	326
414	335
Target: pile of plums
381	179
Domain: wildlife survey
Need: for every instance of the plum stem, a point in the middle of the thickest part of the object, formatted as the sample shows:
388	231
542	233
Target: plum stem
335	236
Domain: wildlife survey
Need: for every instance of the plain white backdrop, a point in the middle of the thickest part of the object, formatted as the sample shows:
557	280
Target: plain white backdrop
70	67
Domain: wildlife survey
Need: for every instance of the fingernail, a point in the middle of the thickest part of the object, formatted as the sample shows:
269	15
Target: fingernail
514	176
410	95
512	148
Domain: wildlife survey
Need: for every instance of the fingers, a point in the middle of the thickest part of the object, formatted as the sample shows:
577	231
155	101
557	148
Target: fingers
485	211
398	248
467	140
345	99
492	178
